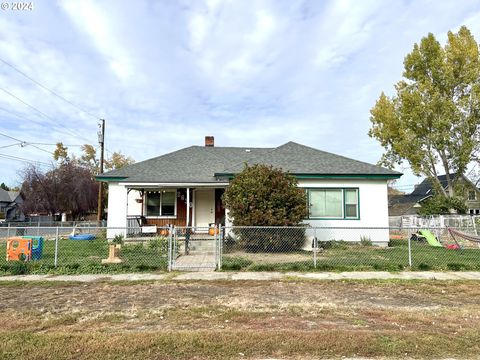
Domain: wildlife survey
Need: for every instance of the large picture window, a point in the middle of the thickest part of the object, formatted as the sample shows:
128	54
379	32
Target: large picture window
161	203
333	203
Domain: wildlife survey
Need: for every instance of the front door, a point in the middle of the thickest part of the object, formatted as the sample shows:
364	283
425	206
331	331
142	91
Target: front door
204	207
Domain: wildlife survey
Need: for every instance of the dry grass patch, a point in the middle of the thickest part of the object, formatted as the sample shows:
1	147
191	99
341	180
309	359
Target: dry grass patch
229	344
223	319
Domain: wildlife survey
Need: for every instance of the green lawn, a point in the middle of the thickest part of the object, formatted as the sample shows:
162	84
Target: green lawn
84	257
344	257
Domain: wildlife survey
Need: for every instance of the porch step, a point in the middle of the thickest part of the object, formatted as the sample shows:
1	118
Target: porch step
204	246
205	267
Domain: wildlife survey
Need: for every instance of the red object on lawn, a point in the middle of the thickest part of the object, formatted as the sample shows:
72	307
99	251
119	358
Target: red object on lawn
452	247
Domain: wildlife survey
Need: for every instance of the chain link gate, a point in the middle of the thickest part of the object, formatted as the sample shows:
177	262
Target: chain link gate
194	249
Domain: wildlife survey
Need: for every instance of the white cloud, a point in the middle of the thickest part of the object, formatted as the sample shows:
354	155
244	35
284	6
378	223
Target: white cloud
93	19
258	73
345	28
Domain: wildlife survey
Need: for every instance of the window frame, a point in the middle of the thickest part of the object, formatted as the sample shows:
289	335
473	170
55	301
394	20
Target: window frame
344	209
345	204
474	195
160	216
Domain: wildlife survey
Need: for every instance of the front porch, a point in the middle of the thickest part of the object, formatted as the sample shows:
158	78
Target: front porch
151	210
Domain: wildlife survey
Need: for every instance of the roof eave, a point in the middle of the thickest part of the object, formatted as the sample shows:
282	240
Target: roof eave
332	176
110	178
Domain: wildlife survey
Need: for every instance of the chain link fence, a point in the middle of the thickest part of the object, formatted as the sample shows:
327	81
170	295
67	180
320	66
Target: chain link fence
347	249
85	250
93	249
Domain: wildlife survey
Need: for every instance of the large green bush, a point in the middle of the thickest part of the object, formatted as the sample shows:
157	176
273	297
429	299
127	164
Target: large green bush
265	196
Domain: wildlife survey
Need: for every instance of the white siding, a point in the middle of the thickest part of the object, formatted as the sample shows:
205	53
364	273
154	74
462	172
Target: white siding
117	209
373	206
134	208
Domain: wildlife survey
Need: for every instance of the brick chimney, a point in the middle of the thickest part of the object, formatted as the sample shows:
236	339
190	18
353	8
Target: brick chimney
209	141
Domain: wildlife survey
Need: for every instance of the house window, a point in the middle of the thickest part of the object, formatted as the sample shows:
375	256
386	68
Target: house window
326	203
161	203
472	195
333	203
351	203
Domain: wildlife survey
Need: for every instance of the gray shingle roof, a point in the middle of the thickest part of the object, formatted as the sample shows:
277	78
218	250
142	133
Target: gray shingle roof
203	164
425	188
300	159
4	196
191	164
13	194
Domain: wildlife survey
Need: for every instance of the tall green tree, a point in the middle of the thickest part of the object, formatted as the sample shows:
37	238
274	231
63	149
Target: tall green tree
433	121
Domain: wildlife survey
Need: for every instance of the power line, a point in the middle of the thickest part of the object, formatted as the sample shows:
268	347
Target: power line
48	144
42	113
35	143
19	117
49	90
16	158
24	143
6	146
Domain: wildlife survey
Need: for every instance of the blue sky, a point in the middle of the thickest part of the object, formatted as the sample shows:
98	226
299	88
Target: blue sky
166	73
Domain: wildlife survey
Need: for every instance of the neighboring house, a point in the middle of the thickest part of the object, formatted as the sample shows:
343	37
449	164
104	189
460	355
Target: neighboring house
10	202
342	192
399	205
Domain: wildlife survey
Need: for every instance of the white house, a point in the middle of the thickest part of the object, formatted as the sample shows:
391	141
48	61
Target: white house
346	197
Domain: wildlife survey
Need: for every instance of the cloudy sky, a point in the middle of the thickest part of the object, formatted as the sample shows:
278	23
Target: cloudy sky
166	73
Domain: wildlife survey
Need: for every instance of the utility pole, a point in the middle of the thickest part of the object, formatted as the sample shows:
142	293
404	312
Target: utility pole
101	141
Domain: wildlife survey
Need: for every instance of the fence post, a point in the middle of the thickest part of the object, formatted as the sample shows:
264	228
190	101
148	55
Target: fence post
215	239
56	246
315	246
8	231
38	229
220	247
410	251
170	247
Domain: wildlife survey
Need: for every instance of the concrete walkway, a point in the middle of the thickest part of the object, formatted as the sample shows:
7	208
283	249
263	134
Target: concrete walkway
212	275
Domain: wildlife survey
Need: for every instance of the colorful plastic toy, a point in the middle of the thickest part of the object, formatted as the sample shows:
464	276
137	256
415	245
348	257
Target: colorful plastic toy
82	237
17	246
37	246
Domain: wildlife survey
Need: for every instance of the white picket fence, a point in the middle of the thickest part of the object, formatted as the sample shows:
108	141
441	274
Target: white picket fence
466	222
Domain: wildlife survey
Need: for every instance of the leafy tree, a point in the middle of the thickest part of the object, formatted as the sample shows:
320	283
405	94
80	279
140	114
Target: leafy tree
438	204
61	153
117	160
68	188
433	121
264	196
89	159
4	187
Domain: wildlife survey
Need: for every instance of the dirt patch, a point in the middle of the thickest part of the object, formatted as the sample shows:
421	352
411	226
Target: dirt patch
370	318
247	295
273	258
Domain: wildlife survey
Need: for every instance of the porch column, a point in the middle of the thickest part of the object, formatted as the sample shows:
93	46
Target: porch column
117	210
194	203
188	207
